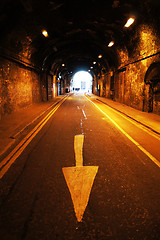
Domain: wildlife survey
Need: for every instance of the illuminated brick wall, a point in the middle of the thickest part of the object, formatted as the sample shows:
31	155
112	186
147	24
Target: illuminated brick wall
20	83
19	87
130	87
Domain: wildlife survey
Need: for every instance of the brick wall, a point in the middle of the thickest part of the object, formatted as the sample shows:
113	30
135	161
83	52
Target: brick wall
130	87
19	87
127	83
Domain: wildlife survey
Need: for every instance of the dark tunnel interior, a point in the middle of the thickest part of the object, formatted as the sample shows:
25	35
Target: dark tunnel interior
79	120
77	33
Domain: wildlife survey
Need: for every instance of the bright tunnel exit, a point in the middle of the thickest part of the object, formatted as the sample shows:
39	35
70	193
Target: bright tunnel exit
82	82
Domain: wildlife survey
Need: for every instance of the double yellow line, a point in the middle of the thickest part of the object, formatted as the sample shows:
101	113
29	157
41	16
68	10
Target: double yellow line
10	159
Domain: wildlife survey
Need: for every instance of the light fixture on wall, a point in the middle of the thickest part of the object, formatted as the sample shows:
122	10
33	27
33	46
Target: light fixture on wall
129	22
45	33
100	56
111	44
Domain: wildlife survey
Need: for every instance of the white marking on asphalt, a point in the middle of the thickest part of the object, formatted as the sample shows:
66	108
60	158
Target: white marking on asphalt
79	179
84	114
81	123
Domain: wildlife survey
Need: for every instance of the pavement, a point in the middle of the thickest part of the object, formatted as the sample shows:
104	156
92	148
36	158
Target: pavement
149	120
13	125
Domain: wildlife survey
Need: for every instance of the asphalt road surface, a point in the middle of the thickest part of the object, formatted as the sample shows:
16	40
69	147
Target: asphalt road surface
117	196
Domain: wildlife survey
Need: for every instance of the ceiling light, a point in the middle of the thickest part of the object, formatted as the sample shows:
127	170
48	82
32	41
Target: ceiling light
45	33
63	64
91	67
129	22
111	44
94	62
100	56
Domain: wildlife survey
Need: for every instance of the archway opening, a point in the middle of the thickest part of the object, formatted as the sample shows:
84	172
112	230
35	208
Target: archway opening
82	82
151	101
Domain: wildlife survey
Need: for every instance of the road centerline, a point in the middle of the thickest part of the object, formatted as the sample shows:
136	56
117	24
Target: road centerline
84	114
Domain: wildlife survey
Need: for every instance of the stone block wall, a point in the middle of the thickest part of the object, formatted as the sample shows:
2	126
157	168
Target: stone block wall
19	87
130	87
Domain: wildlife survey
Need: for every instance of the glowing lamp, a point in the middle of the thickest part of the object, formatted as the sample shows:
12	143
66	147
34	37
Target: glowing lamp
129	22
111	44
45	33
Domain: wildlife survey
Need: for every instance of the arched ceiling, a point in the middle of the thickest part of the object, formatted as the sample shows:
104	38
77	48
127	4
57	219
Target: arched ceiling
78	30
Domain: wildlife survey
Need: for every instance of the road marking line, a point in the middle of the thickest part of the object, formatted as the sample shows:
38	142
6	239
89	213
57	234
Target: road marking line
10	159
84	114
128	136
78	148
53	105
139	125
79	179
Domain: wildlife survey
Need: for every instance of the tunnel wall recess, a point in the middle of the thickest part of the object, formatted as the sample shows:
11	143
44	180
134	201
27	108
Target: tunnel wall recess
128	84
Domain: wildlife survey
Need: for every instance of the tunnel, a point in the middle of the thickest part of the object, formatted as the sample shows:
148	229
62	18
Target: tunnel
80	120
43	44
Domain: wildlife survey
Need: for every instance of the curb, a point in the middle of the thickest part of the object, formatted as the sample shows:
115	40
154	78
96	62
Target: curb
13	138
24	128
125	114
150	128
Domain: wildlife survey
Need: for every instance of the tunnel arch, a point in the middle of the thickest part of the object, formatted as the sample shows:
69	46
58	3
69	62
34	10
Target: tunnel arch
72	52
76	38
152	79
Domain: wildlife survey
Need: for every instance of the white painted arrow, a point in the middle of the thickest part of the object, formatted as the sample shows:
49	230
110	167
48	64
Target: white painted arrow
79	179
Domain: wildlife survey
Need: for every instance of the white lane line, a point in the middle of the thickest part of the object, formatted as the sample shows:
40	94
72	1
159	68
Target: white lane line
79	179
128	136
84	114
81	123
